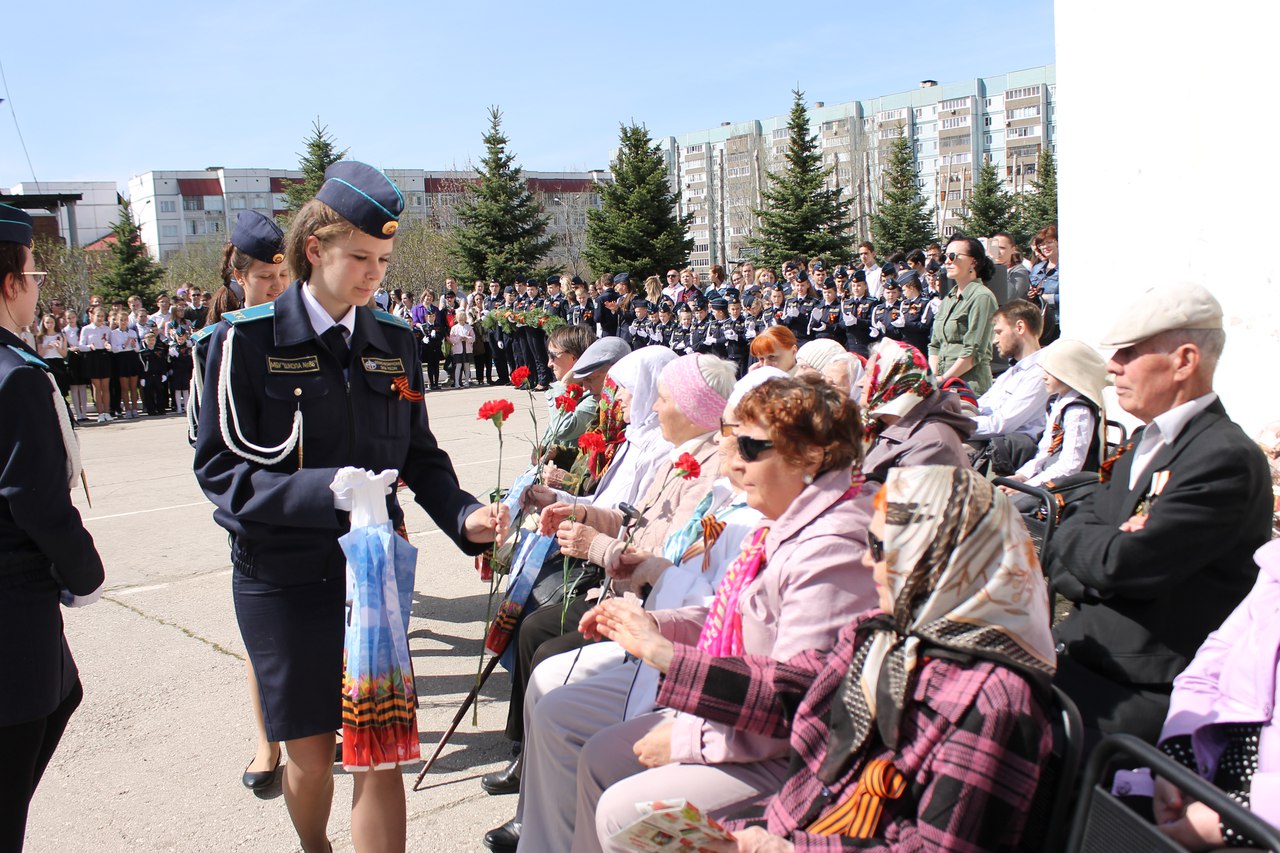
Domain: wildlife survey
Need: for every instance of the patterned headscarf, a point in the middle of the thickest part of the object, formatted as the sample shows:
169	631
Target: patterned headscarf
964	576
897	380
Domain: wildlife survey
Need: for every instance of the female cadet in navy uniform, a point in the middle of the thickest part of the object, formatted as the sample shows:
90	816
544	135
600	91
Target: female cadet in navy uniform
253	273
46	555
295	390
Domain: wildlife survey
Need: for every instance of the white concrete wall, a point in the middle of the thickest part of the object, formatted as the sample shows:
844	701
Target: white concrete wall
1167	127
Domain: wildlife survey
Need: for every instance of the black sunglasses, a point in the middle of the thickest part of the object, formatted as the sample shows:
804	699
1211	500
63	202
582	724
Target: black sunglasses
751	448
951	256
876	545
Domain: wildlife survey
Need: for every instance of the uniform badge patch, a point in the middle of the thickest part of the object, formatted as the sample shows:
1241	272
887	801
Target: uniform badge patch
306	364
390	366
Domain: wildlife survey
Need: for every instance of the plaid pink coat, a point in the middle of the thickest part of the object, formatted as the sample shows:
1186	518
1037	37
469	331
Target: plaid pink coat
973	742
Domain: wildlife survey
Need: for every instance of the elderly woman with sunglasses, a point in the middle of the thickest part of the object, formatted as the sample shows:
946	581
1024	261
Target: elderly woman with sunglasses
798	580
960	344
921	729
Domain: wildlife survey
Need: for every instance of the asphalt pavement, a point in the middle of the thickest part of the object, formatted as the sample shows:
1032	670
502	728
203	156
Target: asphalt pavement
152	759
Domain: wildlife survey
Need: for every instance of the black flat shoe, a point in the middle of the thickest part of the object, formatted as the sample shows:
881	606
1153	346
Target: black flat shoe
505	838
258	780
504	781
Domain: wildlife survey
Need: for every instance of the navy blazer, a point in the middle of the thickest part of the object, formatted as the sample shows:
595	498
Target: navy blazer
1147	600
281	517
44	547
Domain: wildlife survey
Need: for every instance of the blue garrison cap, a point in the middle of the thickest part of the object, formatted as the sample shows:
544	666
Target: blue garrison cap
816	265
15	226
699	302
553	279
621	277
609	296
258	237
363	196
642	303
508	289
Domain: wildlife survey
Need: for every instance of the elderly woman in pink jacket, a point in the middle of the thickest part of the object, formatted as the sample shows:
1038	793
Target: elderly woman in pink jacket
1220	721
797	582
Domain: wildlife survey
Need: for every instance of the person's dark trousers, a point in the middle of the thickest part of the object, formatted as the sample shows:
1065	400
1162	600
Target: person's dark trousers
431	357
154	396
538	346
117	400
25	750
539	636
500	354
483	364
1110	707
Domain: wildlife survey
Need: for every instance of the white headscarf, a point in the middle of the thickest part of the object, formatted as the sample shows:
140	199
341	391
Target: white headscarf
644	450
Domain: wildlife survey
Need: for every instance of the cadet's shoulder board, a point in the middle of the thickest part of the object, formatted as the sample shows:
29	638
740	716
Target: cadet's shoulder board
245	315
202	333
29	358
391	319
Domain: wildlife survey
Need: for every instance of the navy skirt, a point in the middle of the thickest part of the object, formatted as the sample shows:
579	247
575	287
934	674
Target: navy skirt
294	637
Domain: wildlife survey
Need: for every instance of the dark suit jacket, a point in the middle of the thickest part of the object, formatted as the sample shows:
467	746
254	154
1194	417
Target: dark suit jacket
1147	600
44	547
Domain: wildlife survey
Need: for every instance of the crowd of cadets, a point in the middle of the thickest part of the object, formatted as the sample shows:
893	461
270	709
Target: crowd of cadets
855	304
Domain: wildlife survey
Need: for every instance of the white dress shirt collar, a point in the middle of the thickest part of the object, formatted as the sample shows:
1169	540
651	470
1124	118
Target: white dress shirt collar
320	319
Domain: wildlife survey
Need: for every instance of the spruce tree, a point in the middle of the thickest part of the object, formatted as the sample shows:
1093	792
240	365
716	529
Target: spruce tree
990	207
1039	205
637	227
901	221
128	269
800	216
502	230
322	152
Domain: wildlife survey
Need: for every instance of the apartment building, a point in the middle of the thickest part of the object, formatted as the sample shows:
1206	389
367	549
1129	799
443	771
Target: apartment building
174	208
77	213
955	127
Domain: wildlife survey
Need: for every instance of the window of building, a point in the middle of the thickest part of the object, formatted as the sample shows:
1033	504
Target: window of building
1024	92
169	206
195	227
237	202
954	104
986	122
215	226
1024	132
1025	112
953	141
195	202
955	121
169	230
260	202
213	202
694	149
782	133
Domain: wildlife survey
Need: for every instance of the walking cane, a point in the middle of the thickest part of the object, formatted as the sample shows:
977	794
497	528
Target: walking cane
457	718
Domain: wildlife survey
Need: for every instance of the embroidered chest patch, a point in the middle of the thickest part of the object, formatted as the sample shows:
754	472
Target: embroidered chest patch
390	366
306	364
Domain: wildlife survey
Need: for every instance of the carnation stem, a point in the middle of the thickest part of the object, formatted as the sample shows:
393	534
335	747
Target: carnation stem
488	609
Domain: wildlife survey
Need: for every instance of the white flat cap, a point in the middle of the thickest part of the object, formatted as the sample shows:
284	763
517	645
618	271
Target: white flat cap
1163	308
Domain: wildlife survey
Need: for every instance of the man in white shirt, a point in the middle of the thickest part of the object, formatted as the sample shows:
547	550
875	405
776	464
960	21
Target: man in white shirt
867	254
1162	552
1015	402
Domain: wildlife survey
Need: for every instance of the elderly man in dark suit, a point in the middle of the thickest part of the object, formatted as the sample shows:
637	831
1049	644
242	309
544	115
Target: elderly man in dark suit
1162	553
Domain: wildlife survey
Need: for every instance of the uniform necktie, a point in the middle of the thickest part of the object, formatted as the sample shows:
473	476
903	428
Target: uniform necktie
335	338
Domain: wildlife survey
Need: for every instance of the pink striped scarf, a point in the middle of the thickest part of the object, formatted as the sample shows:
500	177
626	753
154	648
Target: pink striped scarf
722	633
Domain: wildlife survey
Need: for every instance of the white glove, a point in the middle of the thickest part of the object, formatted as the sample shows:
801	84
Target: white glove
69	600
730	335
901	321
711	338
361	493
793	311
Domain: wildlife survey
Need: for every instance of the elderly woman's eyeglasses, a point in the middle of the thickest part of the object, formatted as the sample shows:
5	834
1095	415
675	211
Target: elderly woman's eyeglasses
37	278
750	449
726	429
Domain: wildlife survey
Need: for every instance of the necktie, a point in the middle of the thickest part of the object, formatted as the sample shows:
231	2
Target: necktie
335	338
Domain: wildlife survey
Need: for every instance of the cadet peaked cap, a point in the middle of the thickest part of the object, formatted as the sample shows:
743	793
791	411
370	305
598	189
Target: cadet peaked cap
508	289
15	226
816	265
363	196
622	277
720	304
888	272
258	237
790	265
859	275
1163	308
699	302
553	279
642	303
841	272
601	354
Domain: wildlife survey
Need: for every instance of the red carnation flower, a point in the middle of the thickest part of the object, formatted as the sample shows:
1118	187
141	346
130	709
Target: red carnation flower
687	467
519	376
575	391
566	404
496	411
591	442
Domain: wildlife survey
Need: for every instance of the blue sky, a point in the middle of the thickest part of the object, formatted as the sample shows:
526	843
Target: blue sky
104	91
